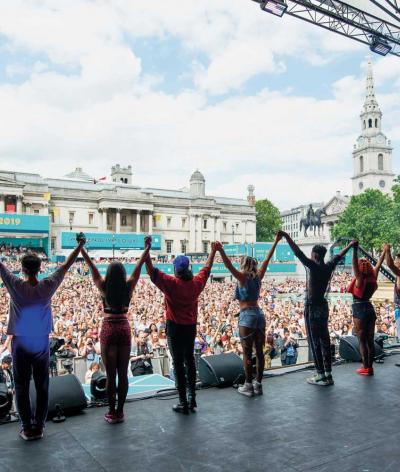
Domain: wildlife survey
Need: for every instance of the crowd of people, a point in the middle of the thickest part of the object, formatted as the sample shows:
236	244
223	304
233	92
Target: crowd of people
78	313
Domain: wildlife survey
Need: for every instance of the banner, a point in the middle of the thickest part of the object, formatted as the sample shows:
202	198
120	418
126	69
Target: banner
111	241
18	223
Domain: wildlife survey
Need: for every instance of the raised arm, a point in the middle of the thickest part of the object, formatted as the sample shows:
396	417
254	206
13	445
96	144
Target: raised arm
344	251
133	279
97	278
265	262
390	262
74	254
356	269
295	248
380	262
149	265
228	264
211	256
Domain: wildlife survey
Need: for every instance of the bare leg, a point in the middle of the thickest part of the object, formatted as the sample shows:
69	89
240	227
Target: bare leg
361	331
259	344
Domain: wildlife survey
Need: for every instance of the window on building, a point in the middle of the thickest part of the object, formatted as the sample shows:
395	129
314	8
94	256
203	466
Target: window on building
36	212
224	225
91	218
237	226
52	217
370	123
53	242
361	163
71	217
124	220
205	246
183	222
205	222
364	126
108	219
376	122
168	245
183	246
154	221
169	219
382	184
380	161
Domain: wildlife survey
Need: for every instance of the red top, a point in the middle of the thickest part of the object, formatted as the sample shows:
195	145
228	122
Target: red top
368	287
181	297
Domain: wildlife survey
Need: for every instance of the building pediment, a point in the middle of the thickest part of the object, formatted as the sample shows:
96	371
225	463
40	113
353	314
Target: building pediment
336	205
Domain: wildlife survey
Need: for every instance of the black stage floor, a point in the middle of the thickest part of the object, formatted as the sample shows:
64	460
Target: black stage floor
353	426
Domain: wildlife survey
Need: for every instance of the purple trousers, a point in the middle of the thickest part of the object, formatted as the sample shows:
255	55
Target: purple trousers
31	358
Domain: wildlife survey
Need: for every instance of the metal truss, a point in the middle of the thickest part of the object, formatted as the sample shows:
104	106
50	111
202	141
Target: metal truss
349	21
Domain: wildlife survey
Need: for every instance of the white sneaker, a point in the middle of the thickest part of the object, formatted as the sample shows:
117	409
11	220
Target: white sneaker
257	386
246	389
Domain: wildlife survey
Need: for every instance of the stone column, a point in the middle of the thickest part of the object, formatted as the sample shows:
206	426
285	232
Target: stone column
118	221
192	234
244	239
199	246
2	204
104	229
138	222
150	223
19	204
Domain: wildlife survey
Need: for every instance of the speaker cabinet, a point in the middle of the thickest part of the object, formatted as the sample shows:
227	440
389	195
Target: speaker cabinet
222	370
349	349
64	390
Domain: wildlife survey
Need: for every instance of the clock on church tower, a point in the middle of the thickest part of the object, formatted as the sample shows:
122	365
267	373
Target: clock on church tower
372	155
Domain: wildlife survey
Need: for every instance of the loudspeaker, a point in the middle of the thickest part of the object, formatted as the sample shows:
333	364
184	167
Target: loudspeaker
65	391
221	370
349	349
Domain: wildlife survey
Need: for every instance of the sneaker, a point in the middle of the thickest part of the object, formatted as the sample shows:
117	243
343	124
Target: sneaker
27	434
120	417
318	380
365	371
257	387
111	418
246	389
329	380
37	432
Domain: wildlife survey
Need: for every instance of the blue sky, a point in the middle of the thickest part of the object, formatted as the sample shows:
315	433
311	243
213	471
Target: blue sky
171	87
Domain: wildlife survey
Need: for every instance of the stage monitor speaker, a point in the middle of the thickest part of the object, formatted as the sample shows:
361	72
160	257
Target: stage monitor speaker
349	349
65	391
221	370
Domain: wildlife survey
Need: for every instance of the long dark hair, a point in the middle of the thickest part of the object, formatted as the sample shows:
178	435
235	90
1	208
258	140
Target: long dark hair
115	286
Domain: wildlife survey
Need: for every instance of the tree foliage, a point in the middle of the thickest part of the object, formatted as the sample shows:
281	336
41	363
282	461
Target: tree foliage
373	218
268	220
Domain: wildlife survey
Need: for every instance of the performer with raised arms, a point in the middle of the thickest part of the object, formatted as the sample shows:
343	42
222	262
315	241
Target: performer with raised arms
30	323
115	336
316	310
251	317
362	287
181	293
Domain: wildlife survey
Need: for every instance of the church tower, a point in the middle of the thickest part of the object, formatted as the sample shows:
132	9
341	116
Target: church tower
372	155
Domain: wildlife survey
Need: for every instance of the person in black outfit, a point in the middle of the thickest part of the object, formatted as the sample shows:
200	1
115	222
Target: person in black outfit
316	310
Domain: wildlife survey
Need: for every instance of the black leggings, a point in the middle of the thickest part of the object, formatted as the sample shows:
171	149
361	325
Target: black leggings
318	336
181	345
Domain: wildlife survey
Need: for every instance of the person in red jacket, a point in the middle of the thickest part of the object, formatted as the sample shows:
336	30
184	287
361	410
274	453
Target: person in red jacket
181	293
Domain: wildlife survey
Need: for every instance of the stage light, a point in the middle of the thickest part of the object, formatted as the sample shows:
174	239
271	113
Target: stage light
98	386
380	45
276	7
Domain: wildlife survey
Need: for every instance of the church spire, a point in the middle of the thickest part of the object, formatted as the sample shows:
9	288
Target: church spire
370	103
371	114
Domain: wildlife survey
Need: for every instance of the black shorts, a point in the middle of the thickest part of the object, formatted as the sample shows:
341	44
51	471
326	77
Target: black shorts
364	311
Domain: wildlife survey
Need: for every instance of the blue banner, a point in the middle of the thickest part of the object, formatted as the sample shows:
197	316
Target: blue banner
110	241
17	223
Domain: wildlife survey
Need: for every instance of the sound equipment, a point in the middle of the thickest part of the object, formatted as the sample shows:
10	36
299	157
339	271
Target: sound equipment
349	349
65	392
221	370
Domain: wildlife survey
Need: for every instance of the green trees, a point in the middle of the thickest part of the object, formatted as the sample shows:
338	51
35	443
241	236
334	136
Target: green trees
268	220
373	218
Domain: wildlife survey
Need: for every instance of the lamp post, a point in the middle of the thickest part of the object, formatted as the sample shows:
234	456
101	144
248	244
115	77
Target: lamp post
113	246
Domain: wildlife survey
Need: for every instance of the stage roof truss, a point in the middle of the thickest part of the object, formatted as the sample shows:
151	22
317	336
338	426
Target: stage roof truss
350	21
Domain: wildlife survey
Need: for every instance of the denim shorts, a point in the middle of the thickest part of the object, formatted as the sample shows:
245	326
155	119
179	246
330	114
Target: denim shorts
363	311
252	317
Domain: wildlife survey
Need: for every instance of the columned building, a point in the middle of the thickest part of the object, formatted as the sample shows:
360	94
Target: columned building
372	155
187	220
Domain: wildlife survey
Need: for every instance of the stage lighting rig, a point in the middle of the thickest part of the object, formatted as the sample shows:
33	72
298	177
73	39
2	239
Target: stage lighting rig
376	23
276	7
380	46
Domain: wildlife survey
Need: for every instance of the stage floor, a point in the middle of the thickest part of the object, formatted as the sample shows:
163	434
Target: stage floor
295	427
